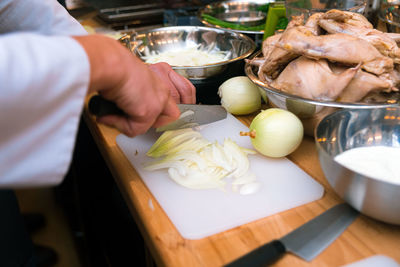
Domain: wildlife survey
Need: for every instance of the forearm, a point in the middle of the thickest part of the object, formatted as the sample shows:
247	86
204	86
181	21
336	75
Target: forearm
107	62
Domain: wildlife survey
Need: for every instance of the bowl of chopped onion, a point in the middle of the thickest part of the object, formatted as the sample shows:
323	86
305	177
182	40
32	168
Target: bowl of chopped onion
193	51
358	151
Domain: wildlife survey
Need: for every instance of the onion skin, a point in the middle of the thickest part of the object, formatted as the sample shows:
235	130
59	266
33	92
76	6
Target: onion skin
275	132
240	96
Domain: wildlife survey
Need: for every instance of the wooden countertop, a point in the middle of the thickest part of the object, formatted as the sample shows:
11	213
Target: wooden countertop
365	237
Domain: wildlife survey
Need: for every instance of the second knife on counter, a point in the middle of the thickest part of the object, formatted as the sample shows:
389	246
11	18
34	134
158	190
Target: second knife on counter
307	241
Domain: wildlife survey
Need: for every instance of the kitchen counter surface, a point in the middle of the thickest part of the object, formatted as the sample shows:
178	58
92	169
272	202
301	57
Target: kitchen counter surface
364	238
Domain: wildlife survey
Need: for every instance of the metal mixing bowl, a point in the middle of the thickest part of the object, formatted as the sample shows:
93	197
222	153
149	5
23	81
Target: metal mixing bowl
311	111
307	8
237	46
351	128
246	18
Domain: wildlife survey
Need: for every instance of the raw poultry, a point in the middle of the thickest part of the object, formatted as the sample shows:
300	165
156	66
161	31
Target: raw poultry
295	78
333	56
381	41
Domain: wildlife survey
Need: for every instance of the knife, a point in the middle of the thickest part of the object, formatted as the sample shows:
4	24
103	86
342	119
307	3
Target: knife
307	241
191	115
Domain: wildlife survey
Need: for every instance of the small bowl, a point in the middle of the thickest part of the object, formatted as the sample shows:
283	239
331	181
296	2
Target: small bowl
351	128
312	111
235	45
298	7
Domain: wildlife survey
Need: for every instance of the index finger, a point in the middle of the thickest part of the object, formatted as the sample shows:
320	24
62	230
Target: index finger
186	89
170	113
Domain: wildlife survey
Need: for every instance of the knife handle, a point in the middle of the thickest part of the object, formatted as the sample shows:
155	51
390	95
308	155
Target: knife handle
101	107
262	256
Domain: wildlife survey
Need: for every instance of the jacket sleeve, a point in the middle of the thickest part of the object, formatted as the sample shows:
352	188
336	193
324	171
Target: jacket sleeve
43	83
46	17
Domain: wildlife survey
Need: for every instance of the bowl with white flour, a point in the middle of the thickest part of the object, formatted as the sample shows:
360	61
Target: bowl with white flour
359	152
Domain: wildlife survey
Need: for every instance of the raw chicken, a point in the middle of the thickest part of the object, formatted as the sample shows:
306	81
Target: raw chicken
313	79
393	78
382	42
361	85
276	58
337	47
312	23
333	56
350	18
267	47
394	36
269	44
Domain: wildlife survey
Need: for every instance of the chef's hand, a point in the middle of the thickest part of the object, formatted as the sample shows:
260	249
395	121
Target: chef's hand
183	91
122	78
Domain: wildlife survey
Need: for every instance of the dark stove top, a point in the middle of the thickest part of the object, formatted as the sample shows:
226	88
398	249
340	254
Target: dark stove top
207	89
147	12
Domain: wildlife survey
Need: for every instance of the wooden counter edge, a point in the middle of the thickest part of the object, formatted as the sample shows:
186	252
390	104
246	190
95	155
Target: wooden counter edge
105	140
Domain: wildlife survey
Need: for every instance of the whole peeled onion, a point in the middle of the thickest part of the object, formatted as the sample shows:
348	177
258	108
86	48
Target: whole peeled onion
275	132
240	96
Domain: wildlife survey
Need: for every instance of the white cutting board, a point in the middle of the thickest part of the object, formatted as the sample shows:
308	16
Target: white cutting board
200	213
374	261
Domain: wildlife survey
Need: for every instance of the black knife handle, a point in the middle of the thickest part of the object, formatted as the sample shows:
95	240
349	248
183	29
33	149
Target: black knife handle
262	256
101	107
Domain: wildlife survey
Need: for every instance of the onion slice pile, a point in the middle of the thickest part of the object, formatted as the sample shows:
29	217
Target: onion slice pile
187	56
194	162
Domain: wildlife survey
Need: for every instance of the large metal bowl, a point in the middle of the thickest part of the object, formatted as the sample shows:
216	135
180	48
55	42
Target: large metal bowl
351	128
307	8
310	111
237	46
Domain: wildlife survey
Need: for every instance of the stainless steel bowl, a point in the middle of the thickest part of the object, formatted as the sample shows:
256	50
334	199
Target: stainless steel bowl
246	18
311	112
351	128
237	46
224	8
307	8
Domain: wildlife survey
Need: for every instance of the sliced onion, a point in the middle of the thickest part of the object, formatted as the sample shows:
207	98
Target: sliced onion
249	188
169	139
194	162
190	56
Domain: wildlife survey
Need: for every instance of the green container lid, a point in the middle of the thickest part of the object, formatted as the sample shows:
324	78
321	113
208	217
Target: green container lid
275	12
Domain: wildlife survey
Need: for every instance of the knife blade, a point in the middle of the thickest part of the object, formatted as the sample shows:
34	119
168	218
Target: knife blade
191	114
307	241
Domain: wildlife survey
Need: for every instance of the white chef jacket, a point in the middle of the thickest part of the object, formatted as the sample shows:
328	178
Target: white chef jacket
44	76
